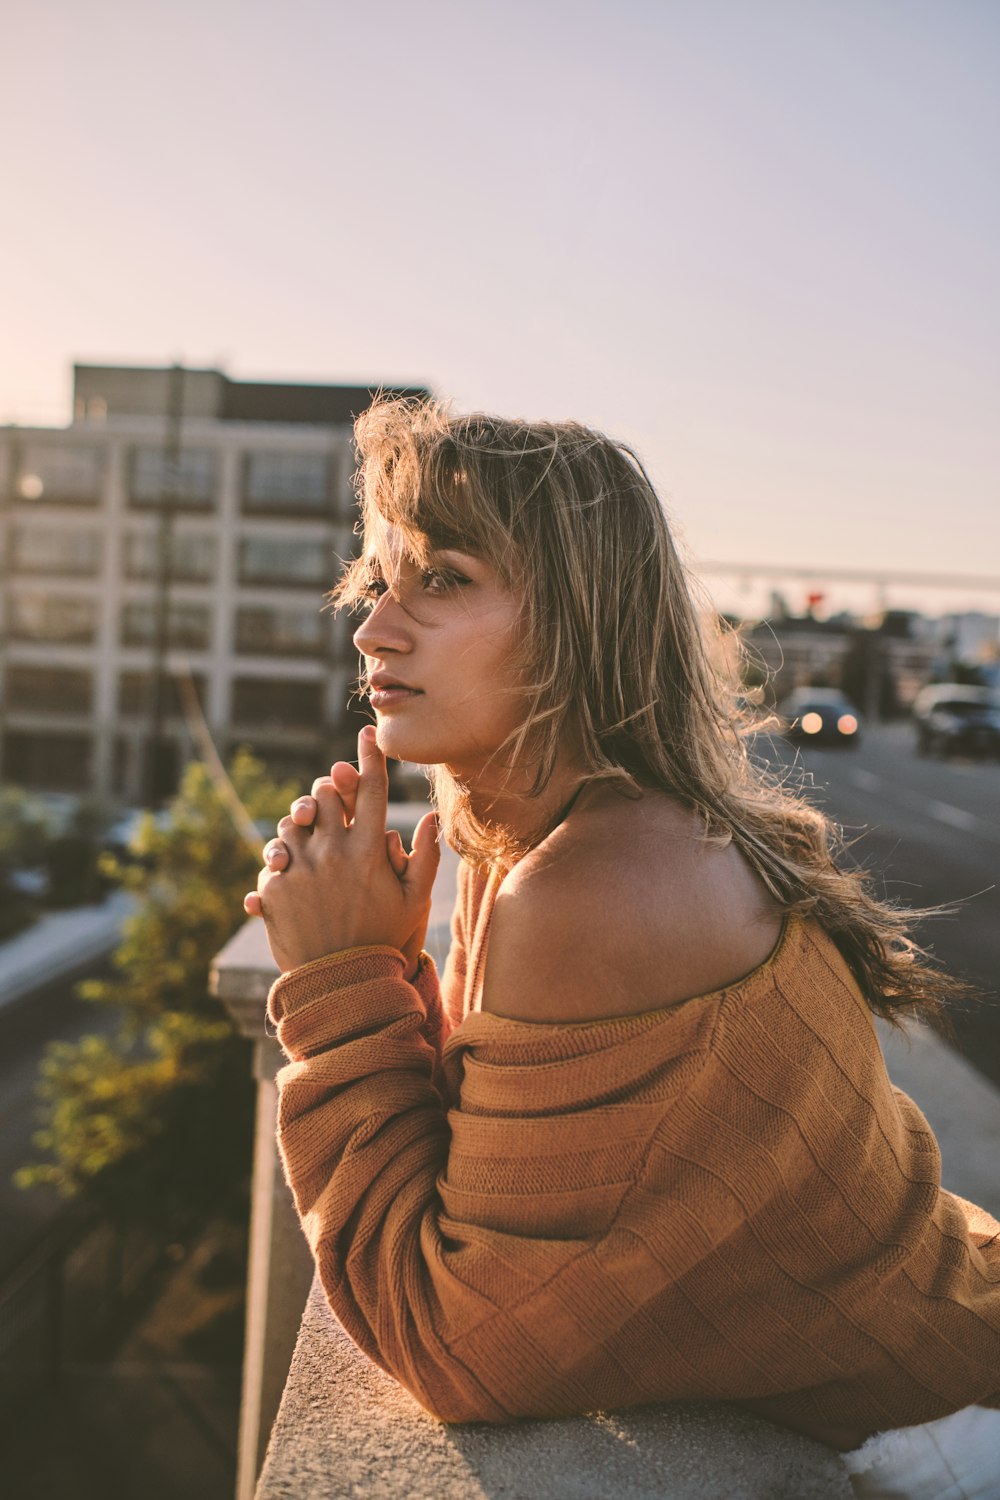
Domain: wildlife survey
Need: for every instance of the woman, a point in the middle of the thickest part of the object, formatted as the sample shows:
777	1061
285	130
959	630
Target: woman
649	1150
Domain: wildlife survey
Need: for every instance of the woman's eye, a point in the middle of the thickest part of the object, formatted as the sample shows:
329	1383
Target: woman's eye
440	580
373	588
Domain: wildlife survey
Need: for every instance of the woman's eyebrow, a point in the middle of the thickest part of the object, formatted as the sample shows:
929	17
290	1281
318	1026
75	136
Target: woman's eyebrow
441	551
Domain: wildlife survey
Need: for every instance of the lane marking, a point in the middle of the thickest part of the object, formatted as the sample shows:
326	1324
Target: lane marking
907	797
955	817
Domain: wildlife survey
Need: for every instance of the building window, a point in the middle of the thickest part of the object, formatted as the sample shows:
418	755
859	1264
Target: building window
52	617
283	762
135	693
265	559
297	483
189	626
39	549
60	474
193	556
48	762
189	483
277	703
282	632
54	690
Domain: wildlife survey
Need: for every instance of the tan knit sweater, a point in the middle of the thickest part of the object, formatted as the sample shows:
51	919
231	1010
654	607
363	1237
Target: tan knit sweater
724	1198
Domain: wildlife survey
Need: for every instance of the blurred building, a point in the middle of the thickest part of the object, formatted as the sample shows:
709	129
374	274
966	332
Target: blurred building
971	637
790	651
182	531
882	665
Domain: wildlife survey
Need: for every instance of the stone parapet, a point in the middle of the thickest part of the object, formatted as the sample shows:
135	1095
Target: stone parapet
346	1429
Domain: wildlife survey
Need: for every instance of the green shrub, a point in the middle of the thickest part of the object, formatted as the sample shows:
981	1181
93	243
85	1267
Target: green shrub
155	1119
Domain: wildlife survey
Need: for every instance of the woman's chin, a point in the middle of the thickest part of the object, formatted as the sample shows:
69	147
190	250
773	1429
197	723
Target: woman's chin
396	744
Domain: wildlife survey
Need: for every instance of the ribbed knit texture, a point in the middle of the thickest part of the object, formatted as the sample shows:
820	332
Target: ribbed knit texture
725	1198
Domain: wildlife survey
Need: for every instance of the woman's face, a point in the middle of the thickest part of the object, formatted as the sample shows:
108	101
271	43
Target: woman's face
440	660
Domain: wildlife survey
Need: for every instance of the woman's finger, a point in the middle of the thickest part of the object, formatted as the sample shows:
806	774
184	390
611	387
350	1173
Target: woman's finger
345	778
337	794
276	855
303	810
396	853
292	834
373	788
251	904
422	864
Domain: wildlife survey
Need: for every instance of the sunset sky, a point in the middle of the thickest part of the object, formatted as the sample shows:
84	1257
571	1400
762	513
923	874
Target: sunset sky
757	238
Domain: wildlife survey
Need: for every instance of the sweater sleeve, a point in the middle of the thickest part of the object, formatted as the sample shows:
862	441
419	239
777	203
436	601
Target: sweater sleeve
431	1235
364	1137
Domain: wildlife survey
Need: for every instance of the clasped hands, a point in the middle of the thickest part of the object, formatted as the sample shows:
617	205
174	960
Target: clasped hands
334	878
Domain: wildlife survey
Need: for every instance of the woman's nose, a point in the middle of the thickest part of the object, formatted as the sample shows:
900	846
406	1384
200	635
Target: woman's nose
384	629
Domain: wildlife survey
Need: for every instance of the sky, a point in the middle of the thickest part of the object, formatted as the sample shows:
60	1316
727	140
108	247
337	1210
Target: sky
757	239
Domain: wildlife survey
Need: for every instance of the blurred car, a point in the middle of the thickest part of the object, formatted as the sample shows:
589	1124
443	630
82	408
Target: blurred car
821	716
118	838
953	719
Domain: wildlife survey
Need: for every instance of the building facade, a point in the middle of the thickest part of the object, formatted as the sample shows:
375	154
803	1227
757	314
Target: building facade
881	664
164	562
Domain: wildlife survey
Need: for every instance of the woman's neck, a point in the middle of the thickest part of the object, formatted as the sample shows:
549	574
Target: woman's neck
526	818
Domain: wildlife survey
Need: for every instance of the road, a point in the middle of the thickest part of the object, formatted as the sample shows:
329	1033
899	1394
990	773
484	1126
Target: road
930	830
25	1029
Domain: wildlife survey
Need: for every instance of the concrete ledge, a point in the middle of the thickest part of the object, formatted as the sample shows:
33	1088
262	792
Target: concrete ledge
346	1429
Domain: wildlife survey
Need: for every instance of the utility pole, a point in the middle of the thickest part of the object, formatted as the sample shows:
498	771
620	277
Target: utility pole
6	536
873	676
159	766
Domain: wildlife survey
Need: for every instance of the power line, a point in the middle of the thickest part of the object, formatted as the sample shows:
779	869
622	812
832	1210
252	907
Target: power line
881	576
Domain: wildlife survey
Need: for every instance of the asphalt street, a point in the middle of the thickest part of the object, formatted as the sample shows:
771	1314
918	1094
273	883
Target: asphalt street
930	832
26	1028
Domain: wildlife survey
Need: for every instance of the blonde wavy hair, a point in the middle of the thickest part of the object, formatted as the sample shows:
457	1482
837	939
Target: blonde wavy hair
615	657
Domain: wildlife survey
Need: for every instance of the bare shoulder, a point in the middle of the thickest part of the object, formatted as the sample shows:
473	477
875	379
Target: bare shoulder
625	908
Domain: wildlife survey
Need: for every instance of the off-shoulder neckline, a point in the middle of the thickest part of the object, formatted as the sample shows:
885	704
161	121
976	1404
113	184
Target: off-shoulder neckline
792	923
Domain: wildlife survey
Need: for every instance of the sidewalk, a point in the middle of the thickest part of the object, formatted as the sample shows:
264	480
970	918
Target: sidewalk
962	1106
59	943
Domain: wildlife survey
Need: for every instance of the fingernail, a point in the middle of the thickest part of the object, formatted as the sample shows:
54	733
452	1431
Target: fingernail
368	734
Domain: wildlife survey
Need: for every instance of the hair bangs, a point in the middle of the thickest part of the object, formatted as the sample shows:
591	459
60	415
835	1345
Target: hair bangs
419	473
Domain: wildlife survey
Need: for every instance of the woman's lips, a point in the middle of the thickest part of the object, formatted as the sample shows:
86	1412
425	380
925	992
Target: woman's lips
391	697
